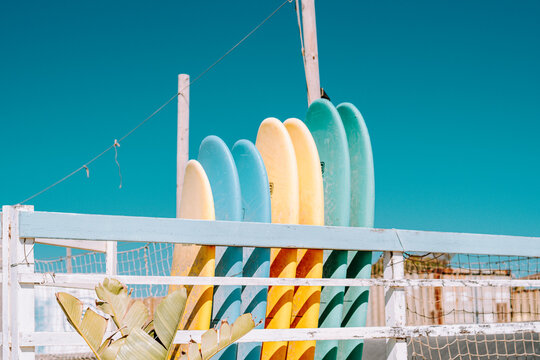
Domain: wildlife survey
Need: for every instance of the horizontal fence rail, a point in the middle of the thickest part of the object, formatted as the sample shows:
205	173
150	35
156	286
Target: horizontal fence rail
69	280
268	335
233	233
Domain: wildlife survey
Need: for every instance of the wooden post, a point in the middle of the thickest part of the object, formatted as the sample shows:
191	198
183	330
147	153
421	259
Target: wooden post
111	258
20	316
69	266
395	306
111	268
311	54
182	142
7	219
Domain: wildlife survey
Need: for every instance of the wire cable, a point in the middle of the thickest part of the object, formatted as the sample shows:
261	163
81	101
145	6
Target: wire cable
198	77
241	41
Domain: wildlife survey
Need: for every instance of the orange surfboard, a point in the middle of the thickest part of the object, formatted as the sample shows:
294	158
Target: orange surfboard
277	151
306	301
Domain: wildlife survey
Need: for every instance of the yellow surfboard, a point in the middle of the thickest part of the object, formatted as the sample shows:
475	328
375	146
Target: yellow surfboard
306	301
277	151
192	260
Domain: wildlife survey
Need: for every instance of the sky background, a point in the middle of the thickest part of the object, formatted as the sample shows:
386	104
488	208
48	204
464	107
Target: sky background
450	91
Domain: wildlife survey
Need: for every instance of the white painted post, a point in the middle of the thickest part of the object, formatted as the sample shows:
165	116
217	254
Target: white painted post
111	258
395	306
111	267
311	54
7	224
21	297
182	140
69	265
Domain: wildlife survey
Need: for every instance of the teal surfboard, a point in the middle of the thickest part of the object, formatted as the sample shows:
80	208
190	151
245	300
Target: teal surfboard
324	123
219	165
355	303
255	208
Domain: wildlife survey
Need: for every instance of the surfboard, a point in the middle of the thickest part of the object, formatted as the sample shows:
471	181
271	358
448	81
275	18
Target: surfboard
362	214
193	260
324	123
218	163
255	208
277	151
306	299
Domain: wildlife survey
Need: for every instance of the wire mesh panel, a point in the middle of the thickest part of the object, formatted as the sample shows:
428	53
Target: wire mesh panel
89	263
448	305
425	304
518	346
153	259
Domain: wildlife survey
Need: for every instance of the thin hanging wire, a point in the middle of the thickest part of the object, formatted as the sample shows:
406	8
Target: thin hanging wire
113	146
117	145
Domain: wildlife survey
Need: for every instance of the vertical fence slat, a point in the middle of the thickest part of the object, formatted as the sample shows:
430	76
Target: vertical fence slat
111	267
111	258
395	306
21	297
7	216
25	292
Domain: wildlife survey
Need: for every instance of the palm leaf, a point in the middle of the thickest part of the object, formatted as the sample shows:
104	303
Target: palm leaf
141	346
168	315
115	300
109	349
91	327
211	343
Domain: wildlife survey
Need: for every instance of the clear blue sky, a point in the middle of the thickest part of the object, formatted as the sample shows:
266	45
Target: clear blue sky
450	91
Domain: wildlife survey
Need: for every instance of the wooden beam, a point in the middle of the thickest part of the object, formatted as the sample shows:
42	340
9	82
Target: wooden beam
21	296
69	264
311	53
91	245
236	233
395	304
182	140
111	258
89	280
8	219
260	335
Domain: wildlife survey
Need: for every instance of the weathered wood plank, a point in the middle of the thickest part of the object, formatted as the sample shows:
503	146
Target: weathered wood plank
7	223
395	304
91	245
257	335
311	53
224	233
88	281
182	135
143	229
21	296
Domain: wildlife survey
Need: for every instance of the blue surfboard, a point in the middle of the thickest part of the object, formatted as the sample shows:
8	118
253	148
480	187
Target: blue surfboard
362	213
219	165
255	208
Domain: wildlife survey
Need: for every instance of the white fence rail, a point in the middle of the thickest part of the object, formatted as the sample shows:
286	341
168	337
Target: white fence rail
21	228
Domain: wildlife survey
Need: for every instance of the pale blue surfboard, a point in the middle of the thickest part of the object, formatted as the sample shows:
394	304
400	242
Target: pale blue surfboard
255	208
324	123
355	303
219	165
